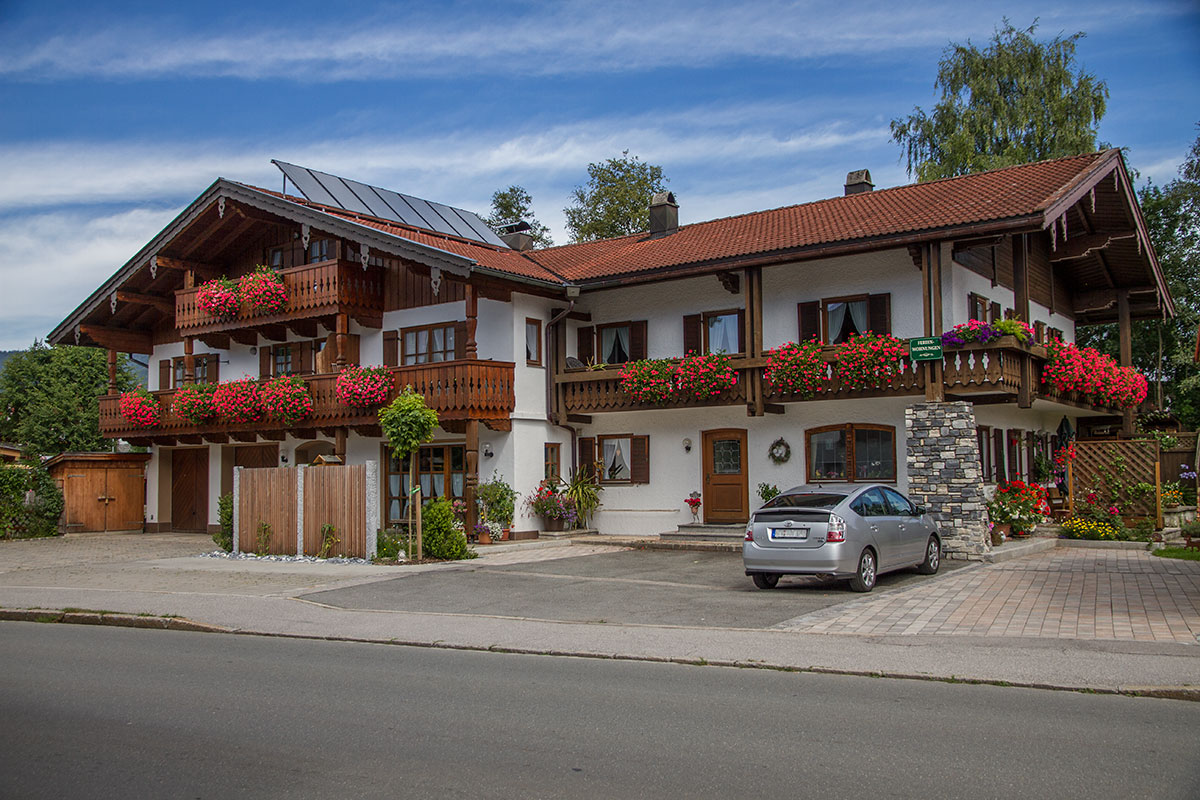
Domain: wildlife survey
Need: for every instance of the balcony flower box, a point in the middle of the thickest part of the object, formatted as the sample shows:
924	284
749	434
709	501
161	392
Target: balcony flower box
363	387
263	291
869	361
285	399
796	369
219	298
140	408
1091	373
238	401
193	402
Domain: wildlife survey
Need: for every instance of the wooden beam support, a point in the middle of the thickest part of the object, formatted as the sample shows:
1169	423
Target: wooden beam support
342	330
472	469
216	438
215	341
189	361
499	425
304	327
773	408
580	419
339	443
163	304
273	332
304	433
754	336
973	244
244	436
246	336
206	271
119	339
370	431
471	347
273	436
1125	347
1087	244
191	438
935	387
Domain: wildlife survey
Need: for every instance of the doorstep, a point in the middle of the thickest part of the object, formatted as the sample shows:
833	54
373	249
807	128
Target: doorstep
701	532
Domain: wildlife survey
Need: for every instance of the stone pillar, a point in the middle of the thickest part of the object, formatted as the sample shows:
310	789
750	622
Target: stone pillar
945	476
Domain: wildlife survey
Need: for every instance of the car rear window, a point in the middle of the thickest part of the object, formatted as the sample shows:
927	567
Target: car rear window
806	500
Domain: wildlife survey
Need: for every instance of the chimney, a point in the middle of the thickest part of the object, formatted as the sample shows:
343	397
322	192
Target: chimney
858	181
664	215
515	235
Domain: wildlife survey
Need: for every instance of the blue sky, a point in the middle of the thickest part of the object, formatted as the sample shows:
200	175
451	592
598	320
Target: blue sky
116	115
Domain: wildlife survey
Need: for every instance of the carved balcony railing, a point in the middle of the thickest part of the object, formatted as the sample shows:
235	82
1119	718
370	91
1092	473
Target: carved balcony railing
992	370
314	291
457	390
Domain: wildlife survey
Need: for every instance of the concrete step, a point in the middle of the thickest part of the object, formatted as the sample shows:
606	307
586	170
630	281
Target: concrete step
1017	548
700	532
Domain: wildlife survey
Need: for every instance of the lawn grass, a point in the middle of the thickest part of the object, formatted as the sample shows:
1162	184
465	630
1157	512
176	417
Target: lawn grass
1178	552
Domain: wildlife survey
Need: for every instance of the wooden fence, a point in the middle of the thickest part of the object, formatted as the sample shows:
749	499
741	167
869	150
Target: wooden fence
1126	461
1184	452
297	501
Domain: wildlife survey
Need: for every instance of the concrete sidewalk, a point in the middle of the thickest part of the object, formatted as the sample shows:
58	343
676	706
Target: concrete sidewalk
270	598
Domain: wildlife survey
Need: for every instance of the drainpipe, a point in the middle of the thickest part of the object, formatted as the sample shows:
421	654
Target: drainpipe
551	367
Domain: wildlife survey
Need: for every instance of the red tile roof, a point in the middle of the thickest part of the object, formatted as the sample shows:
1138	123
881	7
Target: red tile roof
994	196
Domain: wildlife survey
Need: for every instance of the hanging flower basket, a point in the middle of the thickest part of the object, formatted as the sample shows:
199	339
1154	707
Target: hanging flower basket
140	408
263	290
649	380
1090	372
238	401
704	376
219	298
363	387
796	369
285	398
193	402
869	361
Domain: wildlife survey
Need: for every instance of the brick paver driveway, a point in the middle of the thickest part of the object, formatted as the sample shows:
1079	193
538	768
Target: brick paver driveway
1066	593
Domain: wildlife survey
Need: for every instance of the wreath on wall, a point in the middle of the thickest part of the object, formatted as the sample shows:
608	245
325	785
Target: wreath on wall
779	451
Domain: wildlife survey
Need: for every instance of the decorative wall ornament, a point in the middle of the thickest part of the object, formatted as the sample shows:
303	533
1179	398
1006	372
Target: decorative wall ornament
364	253
730	281
221	207
304	233
153	267
78	333
780	452
1092	194
435	280
112	303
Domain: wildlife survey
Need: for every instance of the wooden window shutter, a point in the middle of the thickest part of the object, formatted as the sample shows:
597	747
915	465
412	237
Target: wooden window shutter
637	340
639	459
587	455
809	315
264	361
391	351
741	330
879	313
305	367
998	454
1039	332
1014	454
994	315
1010	313
164	374
460	339
214	368
585	348
1056	334
692	342
297	353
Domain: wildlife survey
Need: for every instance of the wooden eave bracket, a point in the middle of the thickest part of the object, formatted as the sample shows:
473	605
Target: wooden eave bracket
1087	244
202	270
163	304
120	339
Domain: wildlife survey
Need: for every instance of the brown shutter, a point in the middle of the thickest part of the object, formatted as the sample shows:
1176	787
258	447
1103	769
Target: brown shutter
692	342
879	313
264	361
998	454
297	353
585	347
637	340
305	367
741	330
391	353
1039	332
1014	454
809	315
460	339
639	459
1056	334
995	315
164	374
214	367
587	455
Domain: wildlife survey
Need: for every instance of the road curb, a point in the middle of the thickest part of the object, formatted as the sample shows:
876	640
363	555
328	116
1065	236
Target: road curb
115	619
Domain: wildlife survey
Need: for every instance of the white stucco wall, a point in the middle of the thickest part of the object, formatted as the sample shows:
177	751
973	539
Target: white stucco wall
960	282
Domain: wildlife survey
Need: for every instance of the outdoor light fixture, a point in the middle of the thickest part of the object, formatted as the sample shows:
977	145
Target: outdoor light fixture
487	450
687	445
283	459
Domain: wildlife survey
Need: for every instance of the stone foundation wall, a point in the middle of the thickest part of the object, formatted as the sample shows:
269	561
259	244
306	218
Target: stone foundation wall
944	475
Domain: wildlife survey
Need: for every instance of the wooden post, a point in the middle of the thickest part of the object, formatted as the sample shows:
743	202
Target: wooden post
470	347
339	341
1025	388
931	273
339	444
112	371
189	361
1070	489
472	453
1125	331
754	338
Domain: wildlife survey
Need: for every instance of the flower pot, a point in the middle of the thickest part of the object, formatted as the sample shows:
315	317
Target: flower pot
553	524
485	537
1000	533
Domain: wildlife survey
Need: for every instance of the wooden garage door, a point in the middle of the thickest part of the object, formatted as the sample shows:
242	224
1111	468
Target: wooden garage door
189	490
126	506
84	492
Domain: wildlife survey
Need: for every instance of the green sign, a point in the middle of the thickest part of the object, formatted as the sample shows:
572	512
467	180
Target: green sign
928	348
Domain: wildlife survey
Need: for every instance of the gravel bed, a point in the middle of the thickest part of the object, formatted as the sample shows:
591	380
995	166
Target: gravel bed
297	559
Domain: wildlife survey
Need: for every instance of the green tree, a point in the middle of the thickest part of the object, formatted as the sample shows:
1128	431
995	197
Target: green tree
514	205
407	423
1163	349
1015	101
49	398
616	199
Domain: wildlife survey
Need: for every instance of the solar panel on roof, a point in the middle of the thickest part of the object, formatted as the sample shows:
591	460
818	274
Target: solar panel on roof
363	198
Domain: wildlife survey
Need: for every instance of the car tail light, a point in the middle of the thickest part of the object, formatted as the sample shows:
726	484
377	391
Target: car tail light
837	529
750	533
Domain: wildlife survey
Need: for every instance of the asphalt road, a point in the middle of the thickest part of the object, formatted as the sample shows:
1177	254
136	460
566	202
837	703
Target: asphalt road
111	712
628	587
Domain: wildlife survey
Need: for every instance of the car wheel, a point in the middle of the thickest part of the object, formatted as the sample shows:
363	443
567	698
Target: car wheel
864	579
766	580
933	557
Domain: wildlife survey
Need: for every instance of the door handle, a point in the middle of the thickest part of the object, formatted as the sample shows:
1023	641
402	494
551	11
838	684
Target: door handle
874	527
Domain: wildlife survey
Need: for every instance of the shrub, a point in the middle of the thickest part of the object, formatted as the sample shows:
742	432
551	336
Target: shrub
285	398
796	369
439	537
238	401
649	380
224	537
194	402
767	492
262	540
497	500
38	518
139	407
869	360
329	540
263	290
583	490
390	545
219	298
363	387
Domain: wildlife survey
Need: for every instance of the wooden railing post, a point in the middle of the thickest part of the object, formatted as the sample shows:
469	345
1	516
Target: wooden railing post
470	347
189	361
343	328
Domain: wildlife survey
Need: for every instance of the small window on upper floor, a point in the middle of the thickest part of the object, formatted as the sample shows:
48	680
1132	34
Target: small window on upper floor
275	258
282	357
533	342
722	332
428	343
320	250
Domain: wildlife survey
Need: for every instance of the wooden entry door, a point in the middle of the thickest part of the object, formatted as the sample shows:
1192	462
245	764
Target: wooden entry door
125	509
726	479
189	490
104	500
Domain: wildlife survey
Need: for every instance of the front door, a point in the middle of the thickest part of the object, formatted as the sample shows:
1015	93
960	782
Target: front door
726	483
189	490
126	492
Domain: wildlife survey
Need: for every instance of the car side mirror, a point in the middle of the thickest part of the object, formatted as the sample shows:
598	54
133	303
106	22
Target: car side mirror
920	511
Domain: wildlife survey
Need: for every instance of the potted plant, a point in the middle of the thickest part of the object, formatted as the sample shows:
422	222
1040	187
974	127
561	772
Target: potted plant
704	376
693	502
583	490
139	407
1018	505
263	290
868	361
285	398
556	509
219	298
650	380
796	369
238	401
363	387
497	501
194	402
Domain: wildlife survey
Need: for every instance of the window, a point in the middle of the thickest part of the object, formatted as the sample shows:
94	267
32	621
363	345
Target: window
852	452
281	359
619	342
621	458
533	341
204	367
977	307
441	472
615	343
898	503
320	250
835	319
428	343
552	457
275	258
722	332
844	318
983	434
870	504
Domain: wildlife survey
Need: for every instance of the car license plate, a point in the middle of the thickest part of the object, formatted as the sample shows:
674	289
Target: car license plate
789	533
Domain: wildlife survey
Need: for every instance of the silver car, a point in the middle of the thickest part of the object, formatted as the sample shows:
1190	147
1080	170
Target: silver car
856	532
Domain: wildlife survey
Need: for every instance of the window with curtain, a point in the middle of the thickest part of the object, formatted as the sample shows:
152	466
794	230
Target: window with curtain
533	341
441	472
614	456
281	357
843	318
428	343
851	452
721	333
614	344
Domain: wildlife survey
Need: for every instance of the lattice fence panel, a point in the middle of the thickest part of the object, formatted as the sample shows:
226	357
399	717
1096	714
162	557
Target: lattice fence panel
1130	462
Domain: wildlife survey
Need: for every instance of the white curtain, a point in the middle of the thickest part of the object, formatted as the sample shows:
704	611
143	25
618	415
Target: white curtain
722	334
614	344
531	342
616	453
837	316
858	315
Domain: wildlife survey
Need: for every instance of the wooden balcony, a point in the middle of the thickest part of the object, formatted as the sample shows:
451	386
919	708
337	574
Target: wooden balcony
457	390
315	291
982	373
